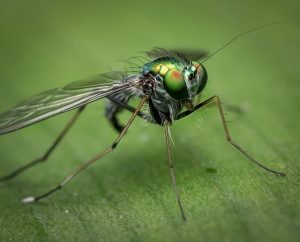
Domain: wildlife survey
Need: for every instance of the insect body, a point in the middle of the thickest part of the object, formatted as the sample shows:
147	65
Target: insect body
168	85
171	83
176	84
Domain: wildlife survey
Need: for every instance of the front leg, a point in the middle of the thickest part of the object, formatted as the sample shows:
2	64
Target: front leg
216	100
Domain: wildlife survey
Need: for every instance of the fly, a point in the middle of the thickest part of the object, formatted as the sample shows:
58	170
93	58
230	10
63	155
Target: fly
167	84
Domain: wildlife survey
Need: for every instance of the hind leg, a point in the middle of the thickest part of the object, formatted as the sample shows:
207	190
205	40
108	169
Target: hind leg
48	152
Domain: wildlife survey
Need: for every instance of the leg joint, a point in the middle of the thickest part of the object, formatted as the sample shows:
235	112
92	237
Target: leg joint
216	98
228	138
43	158
114	145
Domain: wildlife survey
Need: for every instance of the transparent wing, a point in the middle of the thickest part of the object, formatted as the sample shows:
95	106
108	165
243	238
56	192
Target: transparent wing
56	101
193	55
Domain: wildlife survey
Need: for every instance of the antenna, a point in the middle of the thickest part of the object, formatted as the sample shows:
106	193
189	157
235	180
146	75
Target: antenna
245	33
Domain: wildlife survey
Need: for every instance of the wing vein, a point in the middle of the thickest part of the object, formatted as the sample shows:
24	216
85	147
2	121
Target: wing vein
56	101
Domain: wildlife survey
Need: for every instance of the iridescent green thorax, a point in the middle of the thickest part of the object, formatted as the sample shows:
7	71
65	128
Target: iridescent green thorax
162	65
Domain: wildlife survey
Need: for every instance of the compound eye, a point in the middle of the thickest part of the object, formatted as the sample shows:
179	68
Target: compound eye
175	85
201	71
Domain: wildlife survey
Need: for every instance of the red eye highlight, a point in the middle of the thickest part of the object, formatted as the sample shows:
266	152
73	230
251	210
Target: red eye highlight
175	85
176	75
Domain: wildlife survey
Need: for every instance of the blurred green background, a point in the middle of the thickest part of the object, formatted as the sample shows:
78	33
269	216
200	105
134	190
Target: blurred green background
127	196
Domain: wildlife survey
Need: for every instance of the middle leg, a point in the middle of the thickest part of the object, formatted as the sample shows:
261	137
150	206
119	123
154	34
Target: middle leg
171	169
89	162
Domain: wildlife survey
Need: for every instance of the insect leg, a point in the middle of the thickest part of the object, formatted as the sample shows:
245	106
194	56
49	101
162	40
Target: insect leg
171	168
115	106
216	99
48	152
89	162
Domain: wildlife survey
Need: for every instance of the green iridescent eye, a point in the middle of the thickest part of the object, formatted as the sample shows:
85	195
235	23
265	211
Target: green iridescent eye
201	71
175	85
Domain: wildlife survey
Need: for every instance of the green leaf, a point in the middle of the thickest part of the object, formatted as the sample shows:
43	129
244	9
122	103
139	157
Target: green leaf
127	196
